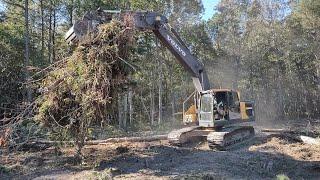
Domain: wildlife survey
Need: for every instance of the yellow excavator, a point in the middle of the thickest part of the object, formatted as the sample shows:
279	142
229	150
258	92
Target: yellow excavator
230	99
216	114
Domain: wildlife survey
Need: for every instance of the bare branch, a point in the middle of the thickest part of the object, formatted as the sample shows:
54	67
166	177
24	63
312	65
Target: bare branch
13	4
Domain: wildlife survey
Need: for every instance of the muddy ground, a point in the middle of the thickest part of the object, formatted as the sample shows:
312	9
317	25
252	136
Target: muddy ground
265	156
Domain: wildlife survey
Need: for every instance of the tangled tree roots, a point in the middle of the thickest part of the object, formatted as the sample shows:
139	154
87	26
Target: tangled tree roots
80	91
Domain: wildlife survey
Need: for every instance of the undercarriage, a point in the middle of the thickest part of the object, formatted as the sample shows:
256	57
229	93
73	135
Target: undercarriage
217	138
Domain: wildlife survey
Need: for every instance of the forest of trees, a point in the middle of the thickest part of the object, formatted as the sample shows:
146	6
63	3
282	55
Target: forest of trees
267	49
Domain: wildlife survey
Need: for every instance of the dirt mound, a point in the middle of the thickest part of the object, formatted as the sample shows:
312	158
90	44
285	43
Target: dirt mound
296	150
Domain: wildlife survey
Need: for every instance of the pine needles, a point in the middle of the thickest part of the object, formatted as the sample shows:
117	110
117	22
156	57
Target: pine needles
81	91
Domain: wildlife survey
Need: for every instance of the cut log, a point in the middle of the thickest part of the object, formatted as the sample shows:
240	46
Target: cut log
111	140
128	139
277	131
310	140
295	132
34	146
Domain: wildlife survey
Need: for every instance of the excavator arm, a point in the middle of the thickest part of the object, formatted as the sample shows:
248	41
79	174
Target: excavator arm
145	21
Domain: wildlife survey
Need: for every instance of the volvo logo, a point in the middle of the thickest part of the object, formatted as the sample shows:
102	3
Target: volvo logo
175	45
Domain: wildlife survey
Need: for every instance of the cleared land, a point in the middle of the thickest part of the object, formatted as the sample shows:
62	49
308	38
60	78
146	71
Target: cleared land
265	156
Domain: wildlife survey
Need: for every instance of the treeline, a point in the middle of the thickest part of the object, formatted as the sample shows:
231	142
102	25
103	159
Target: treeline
159	84
269	50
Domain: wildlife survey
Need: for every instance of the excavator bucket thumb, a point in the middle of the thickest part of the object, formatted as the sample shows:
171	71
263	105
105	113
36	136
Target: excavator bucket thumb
141	20
88	24
78	30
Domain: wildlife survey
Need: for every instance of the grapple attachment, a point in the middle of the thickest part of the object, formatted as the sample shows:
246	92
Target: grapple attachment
90	21
88	24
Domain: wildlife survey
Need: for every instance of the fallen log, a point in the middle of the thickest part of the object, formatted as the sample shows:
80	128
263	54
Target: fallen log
310	140
128	139
298	136
109	140
288	131
277	130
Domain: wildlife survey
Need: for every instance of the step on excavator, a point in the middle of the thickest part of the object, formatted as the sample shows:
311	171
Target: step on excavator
216	115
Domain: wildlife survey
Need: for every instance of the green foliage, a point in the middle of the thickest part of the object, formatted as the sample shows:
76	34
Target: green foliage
282	177
78	92
11	64
273	50
151	5
4	170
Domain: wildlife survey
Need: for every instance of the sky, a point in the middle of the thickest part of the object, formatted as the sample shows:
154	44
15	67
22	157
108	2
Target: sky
209	8
1	6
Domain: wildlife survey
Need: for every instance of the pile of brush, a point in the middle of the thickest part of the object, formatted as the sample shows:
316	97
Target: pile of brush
81	89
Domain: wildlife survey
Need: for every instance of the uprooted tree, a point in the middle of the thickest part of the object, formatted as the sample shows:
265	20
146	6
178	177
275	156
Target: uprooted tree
81	89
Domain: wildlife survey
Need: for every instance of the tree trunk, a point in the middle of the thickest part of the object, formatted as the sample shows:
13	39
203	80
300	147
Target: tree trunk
50	33
47	143
27	53
53	36
173	105
237	73
130	106
152	103
119	110
160	94
42	29
70	8
144	107
280	90
172	93
125	110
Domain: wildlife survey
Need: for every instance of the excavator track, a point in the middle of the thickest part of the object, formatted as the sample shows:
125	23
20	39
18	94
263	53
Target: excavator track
187	134
227	137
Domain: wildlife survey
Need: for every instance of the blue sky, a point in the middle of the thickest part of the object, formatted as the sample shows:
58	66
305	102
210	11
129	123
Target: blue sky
1	6
209	8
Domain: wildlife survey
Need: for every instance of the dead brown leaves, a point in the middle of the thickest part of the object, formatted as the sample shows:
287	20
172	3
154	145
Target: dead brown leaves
296	150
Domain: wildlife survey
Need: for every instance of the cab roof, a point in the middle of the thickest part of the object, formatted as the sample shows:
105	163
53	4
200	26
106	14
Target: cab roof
223	90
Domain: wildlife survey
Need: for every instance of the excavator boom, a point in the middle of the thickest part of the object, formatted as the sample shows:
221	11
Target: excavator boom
145	21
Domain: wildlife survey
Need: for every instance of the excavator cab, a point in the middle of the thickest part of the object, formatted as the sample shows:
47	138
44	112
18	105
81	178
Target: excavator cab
218	107
213	110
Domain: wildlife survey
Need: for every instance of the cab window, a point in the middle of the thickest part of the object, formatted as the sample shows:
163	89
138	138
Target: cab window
206	103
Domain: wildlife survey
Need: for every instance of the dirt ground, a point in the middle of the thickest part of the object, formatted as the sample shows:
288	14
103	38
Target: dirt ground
265	156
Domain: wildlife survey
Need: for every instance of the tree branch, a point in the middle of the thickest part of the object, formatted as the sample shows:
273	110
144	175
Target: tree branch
13	4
